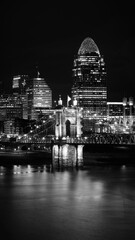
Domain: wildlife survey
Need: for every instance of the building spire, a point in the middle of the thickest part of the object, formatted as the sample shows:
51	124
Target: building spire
60	101
38	73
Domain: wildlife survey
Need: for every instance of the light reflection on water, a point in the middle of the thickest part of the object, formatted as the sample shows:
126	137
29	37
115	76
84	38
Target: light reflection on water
96	203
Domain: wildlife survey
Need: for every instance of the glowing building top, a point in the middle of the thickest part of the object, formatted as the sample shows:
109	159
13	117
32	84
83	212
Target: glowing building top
89	79
88	46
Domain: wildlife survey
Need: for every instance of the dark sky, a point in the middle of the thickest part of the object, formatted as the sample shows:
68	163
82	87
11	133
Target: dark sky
50	36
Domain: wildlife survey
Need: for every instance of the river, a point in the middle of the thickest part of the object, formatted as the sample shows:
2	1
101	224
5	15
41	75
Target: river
94	203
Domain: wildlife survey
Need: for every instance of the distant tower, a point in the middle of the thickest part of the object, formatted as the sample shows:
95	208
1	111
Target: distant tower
60	101
89	79
20	83
39	96
19	87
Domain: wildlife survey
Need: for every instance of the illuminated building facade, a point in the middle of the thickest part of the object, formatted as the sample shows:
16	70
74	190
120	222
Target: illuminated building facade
20	83
121	115
19	87
89	76
10	107
39	97
124	108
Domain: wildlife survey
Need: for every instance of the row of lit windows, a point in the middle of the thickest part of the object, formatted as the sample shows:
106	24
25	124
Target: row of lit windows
92	91
89	94
92	97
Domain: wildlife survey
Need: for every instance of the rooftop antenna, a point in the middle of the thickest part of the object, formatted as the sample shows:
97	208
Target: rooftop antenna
38	73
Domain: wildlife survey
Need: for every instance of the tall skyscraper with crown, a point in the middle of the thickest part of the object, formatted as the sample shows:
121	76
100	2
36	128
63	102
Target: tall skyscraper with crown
89	79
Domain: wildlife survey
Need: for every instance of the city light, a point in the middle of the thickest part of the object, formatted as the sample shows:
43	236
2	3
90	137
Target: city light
28	116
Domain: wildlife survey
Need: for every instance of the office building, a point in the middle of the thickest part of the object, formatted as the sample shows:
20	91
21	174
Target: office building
20	84
89	79
10	107
39	97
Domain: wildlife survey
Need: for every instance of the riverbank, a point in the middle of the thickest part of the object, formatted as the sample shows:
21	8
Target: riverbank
24	157
109	154
93	154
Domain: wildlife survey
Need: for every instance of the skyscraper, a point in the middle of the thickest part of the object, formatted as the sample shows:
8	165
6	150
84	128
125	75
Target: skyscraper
19	83
89	79
19	86
39	96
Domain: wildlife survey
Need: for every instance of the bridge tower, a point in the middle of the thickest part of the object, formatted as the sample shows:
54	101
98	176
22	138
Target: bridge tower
68	122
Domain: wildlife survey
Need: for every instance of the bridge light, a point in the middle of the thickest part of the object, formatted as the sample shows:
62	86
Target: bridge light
65	152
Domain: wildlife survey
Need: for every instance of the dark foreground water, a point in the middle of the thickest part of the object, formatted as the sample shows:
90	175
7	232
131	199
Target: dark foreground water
95	203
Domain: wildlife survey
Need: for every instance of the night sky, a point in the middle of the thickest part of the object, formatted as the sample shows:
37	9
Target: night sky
50	35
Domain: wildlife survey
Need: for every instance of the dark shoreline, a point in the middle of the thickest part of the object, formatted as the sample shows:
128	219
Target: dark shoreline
101	154
25	157
109	154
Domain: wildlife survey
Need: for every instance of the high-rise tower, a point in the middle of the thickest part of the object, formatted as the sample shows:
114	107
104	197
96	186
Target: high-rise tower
39	96
20	83
89	79
19	87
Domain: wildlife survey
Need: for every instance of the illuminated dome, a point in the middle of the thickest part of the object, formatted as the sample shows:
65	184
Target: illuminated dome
88	46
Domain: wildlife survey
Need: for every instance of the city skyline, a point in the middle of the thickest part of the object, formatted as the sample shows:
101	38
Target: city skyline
51	37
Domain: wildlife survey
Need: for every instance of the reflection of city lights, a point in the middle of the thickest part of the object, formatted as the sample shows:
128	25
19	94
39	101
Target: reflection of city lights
98	189
29	167
123	167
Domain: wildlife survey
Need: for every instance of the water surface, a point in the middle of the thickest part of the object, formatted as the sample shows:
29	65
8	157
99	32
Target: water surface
95	203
